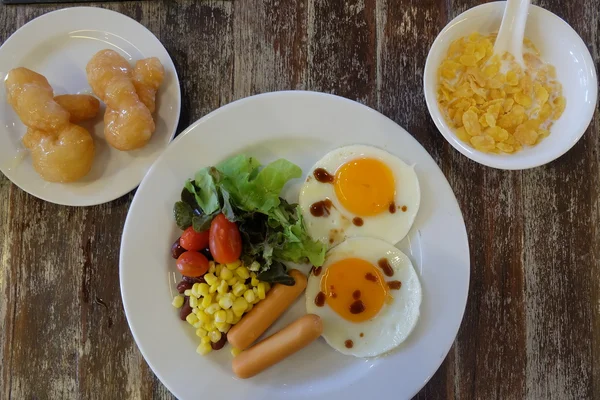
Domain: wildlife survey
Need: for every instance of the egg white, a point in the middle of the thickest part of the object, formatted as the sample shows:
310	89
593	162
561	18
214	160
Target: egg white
338	225
396	319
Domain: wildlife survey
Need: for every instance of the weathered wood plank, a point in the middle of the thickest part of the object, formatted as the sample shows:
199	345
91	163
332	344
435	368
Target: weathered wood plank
532	324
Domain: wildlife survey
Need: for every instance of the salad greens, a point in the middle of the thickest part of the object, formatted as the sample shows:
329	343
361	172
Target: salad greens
272	229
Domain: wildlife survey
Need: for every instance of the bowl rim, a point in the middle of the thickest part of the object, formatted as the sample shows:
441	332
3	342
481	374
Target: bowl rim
518	161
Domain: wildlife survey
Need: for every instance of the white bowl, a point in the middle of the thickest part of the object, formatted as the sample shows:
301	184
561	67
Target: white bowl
559	45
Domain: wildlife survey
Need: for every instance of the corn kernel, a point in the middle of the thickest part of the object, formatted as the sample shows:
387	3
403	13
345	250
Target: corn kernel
210	279
213	308
209	326
230	317
235	352
198	324
243	272
218	269
203	289
203	348
220	316
218	297
212	267
201	332
254	282
267	287
239	306
231	282
226	274
236	319
249	296
225	303
250	307
239	289
205	339
223	287
203	317
191	319
214	336
234	265
195	290
178	301
261	291
213	288
187	292
193	302
206	301
222	327
255	266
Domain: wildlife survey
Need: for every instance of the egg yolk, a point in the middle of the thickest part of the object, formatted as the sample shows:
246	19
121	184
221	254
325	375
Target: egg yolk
365	186
354	289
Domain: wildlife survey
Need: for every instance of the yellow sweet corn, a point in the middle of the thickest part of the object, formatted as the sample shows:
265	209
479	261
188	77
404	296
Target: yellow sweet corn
213	288
203	317
261	290
218	269
243	272
205	340
239	289
203	348
187	292
230	316
220	316
212	267
201	332
254	281
203	289
223	287
210	279
213	308
195	288
178	301
206	301
239	306
191	319
222	326
193	302
234	265
231	282
214	336
225	303
235	352
249	296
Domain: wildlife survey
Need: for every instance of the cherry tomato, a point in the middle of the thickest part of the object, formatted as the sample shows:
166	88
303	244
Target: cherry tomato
225	242
192	240
192	263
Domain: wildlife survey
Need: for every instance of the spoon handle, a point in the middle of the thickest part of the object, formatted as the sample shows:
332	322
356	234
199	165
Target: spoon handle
512	29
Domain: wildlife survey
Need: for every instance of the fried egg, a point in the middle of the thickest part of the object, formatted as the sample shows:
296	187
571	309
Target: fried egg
359	191
368	296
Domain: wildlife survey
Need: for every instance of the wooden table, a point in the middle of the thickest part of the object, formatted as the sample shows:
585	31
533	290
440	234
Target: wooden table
532	323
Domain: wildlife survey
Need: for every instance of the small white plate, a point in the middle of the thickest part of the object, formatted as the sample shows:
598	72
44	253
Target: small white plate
58	45
560	46
301	127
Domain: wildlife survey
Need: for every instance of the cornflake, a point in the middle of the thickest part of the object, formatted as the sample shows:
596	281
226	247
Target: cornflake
491	102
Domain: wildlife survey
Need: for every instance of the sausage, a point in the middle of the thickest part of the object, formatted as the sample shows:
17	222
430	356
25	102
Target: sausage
275	348
262	316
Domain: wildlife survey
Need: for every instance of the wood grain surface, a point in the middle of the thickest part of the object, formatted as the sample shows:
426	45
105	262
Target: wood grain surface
532	324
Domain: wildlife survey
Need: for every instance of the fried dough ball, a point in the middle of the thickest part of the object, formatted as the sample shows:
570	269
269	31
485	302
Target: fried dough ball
148	75
128	122
60	150
79	106
31	96
65	156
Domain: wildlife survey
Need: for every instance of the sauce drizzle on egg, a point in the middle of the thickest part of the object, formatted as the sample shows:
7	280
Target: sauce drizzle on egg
321	175
385	266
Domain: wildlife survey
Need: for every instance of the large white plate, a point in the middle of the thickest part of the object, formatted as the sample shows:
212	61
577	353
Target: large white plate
301	127
58	45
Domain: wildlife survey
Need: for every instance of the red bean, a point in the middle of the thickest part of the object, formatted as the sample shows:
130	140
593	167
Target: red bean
194	279
183	286
186	309
219	345
176	249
